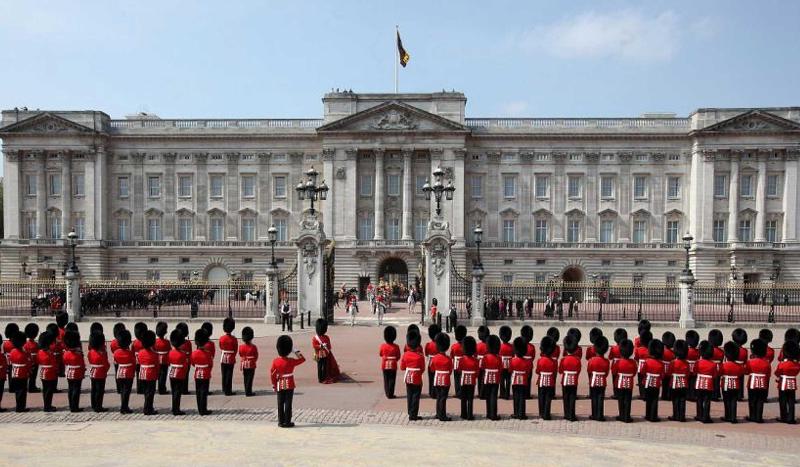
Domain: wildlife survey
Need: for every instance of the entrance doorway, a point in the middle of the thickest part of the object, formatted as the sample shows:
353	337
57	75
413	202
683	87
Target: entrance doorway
394	271
218	275
572	278
363	282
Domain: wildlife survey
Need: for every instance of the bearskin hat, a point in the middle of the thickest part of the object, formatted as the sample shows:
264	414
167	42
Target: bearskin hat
731	351
547	346
148	339
626	348
97	340
715	337
31	330
72	339
680	348
739	336
620	334
483	333
645	338
284	345
668	339
45	339
161	329
594	333
176	338
554	334
765	335
442	342
505	333
124	338
434	330
601	345
526	332
460	332
692	339
95	327
247	333
706	350
413	340
494	344
758	347
228	324
62	318
389	334
200	337
138	329
321	326
570	343
656	349
576	333
520	346
469	346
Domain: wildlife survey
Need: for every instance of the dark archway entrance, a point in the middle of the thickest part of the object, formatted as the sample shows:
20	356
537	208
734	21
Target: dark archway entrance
394	272
572	278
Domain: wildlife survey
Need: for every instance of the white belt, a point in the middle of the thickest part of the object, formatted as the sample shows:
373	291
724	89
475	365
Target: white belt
287	375
124	365
176	365
626	375
201	366
570	372
228	351
67	366
92	365
528	357
147	366
45	366
22	364
387	358
162	353
468	372
441	372
596	374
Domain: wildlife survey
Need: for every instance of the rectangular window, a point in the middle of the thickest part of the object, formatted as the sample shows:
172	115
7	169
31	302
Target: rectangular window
541	231
719	232
607	187
607	231
279	184
420	229
393	228
772	231
55	227
720	186
30	227
508	279
154	229
673	187
365	185
539	277
476	186
55	184
542	186
419	182
509	186
153	186
217	229
639	231
746	186
280	226
772	185
509	231
248	230
185	229
393	185
123	187
366	226
123	276
574	231
639	187
184	186
123	230
30	184
78	188
153	275
574	186
744	230
672	232
217	183
80	226
248	186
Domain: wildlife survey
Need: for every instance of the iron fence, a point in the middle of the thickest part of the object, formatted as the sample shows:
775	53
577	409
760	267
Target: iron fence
287	288
460	292
763	303
32	297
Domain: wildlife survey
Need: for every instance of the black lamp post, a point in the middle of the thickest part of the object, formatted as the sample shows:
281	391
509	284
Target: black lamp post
72	238
231	282
438	188
687	245
310	190
273	237
478	236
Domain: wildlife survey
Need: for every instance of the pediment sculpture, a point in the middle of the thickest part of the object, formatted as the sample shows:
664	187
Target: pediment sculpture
395	120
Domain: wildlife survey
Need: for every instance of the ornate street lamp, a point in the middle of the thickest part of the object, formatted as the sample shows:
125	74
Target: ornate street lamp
273	237
72	237
687	245
438	189
232	281
310	190
478	236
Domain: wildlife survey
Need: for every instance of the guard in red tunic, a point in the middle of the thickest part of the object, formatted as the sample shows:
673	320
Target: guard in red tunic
413	363
643	326
98	369
20	362
3	374
481	349
442	368
177	368
75	369
706	370
786	378
161	348
114	346
791	334
730	371
125	360
620	334
766	336
759	370
327	368
187	350
390	356
625	369
679	381
456	352
597	369
48	369
520	373
32	333
211	348
412	328
469	377
715	338
8	346
282	376
668	339
692	357
555	334
138	329
653	376
739	336
492	367
62	319
576	333
641	354
248	356
202	361
228	345
526	332
506	354
148	371
569	368
430	351
546	368
594	333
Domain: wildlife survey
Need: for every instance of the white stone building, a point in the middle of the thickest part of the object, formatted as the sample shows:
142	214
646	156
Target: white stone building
575	197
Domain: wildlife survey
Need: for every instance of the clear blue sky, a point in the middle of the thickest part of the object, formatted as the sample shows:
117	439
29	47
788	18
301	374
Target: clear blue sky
515	58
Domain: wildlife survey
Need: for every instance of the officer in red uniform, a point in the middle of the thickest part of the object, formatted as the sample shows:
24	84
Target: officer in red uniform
620	334
3	374
569	368
8	346
282	376
469	376
555	334
187	350
739	336
786	378
98	369
715	338
706	370
526	332
653	375
390	355
641	354
321	343
75	369
766	336
644	325
31	333
679	380
210	347
791	334
228	345
114	346
492	366
161	348
668	339
692	357
177	368
413	363
576	333
730	371
148	370
594	333
412	328
202	361
506	354
125	360
57	350
248	356
442	367
481	349
20	362
138	329
759	370
48	369
520	368
597	369
430	351
62	319
546	368
625	370
456	352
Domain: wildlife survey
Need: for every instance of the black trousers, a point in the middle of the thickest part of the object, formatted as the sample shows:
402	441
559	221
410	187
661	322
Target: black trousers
717	395
185	388
755	401
413	393
679	405
48	389
441	402
467	396
19	386
703	400
286	322
74	394
32	378
741	388
149	389
201	393
786	402
116	381
285	406
666	388
651	404
481	395
691	392
520	393
2	388
457	381
389	378
624	399
730	399
528	387
98	391
431	392
227	378
139	387
163	370
125	388
175	387
598	398
322	369
546	396
248	375
505	385
568	395
490	393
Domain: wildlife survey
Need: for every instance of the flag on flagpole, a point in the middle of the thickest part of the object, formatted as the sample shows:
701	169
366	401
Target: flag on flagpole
401	52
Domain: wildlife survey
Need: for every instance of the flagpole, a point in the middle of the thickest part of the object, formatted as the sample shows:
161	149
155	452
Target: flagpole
397	59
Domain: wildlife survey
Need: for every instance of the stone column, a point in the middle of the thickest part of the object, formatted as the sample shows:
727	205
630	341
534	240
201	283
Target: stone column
328	156
379	194
232	197
91	196
350	196
66	194
761	197
408	195
11	200
477	297
733	198
73	299
459	182
271	313
558	195
591	194
438	259
41	195
169	195
311	245
790	197
686	285
139	193
101	201
701	212
264	188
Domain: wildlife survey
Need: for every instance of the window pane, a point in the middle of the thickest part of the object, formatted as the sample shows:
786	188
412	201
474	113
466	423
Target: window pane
154	187
720	185
420	229
477	186
420	182
772	231
772	185
541	231
122	229
639	186
574	187
216	186
122	187
77	185
185	186
55	184
393	185
508	231
606	187
248	186
744	231
366	185
509	186
248	230
745	185
80	227
720	232
280	226
185	229
542	185
674	187
280	187
154	229
573	231
639	231
607	231
672	232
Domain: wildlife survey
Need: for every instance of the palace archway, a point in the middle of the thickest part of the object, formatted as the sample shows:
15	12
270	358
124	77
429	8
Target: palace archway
394	271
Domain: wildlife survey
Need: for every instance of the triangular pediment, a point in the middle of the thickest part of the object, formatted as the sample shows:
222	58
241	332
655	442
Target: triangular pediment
393	117
753	121
46	123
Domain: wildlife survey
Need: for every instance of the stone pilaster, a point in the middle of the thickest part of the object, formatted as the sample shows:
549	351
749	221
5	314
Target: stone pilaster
686	286
170	196
790	196
41	195
408	195
379	194
66	194
458	207
90	198
733	197
477	297
761	197
201	193
138	195
591	193
12	200
271	314
101	201
349	220
559	198
328	156
232	197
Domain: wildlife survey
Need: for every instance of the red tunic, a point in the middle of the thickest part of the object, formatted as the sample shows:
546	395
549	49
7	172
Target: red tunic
742	356
228	346
20	363
148	365
3	368
74	364
520	371
114	346
653	372
430	351
679	370
33	350
590	352
406	348
491	366
186	348
729	373
390	354
624	370
719	355
706	372
162	348
48	366
506	354
569	368
641	355
413	363
178	362
759	370
597	369
637	342
125	359
442	367
248	353
469	370
98	364
578	352
137	346
322	346
668	357
202	362
211	349
546	370
613	353
530	354
786	375
692	356
770	354
456	352
556	352
282	372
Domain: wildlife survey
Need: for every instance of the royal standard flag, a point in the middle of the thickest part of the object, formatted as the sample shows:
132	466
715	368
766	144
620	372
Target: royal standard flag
404	56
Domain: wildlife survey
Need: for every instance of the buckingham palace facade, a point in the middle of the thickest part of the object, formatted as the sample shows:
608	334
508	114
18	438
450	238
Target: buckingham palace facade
154	198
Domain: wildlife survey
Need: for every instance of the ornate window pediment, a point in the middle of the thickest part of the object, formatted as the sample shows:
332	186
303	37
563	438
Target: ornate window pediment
509	213
123	212
575	213
747	213
641	213
542	213
153	212
608	213
183	212
247	212
393	116
216	212
279	212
